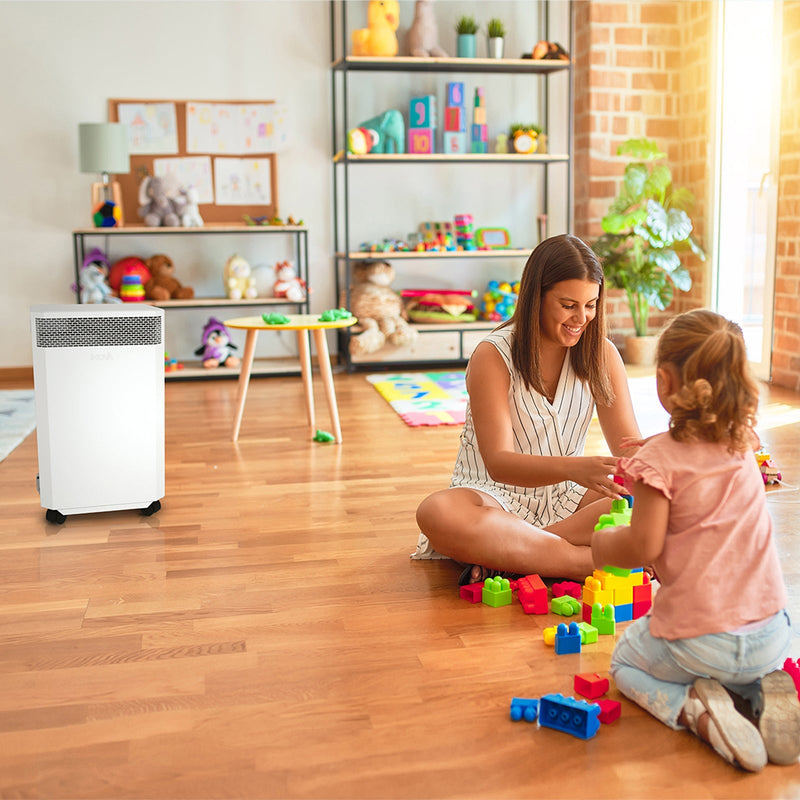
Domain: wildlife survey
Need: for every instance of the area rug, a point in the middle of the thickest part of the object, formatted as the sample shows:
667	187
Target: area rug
17	418
424	398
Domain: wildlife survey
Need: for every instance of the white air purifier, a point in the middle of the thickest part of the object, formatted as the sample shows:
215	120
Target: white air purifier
98	373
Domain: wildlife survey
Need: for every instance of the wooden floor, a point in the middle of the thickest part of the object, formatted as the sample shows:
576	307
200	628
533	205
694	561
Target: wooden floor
266	636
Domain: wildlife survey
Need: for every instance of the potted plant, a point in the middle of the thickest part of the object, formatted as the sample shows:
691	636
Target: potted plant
647	233
496	31
466	30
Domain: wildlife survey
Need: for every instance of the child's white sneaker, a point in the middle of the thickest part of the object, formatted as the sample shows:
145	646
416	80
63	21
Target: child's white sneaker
779	717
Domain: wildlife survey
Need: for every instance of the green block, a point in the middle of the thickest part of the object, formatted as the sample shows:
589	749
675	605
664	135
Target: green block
566	606
603	619
497	592
588	633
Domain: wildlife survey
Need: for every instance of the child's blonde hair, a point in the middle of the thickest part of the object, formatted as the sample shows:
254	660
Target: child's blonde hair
718	396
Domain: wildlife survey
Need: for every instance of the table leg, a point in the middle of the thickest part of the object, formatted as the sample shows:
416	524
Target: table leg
244	379
305	368
324	359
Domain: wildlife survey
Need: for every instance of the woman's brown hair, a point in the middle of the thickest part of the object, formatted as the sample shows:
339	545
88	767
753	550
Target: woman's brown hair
718	397
560	258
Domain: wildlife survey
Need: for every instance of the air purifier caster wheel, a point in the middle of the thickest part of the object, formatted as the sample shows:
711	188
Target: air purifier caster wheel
152	508
55	516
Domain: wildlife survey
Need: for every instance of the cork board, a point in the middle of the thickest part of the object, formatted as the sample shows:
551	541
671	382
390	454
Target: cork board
179	142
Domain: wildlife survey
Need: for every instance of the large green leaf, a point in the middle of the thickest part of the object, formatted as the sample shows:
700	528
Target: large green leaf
635	180
640	149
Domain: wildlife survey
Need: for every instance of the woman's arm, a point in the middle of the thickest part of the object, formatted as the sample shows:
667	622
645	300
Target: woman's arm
617	421
640	543
488	384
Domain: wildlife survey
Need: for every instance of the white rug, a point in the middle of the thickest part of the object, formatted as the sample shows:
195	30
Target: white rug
17	418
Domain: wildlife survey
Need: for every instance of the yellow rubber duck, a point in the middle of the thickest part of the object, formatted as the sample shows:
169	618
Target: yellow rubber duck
379	39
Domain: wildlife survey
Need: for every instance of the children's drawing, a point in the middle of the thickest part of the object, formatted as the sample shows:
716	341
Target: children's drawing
194	171
152	127
242	181
230	128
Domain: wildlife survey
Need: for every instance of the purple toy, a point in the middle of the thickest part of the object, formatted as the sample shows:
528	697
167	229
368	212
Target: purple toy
217	347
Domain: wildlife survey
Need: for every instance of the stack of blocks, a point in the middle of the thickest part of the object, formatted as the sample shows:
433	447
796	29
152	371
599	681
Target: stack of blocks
455	120
630	595
465	232
422	124
480	130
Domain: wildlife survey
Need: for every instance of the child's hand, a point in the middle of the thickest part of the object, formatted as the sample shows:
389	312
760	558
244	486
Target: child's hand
595	472
631	443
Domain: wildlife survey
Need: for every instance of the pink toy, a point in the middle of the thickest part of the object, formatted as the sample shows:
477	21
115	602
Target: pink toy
609	710
472	592
793	668
287	284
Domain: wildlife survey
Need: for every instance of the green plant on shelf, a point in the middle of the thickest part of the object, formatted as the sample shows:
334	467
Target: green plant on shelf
466	25
496	29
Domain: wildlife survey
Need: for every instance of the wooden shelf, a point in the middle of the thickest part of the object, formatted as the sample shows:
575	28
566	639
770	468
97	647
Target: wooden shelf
261	366
206	302
450	158
132	230
414	64
391	255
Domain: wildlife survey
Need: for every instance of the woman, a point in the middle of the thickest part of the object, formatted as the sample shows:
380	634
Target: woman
523	498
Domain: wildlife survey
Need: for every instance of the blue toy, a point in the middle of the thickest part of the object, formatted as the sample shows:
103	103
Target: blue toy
390	129
568	715
523	708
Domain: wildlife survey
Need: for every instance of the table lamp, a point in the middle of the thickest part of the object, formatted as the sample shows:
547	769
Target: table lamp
104	149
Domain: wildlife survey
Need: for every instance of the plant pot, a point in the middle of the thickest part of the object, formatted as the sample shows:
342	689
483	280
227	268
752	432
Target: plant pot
641	350
495	47
465	45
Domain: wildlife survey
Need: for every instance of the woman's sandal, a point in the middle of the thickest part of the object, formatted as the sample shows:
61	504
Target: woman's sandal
732	736
778	718
465	579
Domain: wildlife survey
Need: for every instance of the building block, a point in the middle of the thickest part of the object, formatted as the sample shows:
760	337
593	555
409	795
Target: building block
641	609
588	633
568	715
455	119
590	684
524	708
472	592
421	140
609	710
566	606
480	132
586	613
623	612
479	115
593	592
422	112
549	635
793	668
532	594
497	592
455	94
567	587
603	619
568	639
454	142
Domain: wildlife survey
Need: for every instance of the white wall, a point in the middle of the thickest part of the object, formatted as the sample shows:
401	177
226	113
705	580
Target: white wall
62	59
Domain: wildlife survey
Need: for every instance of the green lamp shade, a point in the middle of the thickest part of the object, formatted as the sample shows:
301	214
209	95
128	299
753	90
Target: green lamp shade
104	147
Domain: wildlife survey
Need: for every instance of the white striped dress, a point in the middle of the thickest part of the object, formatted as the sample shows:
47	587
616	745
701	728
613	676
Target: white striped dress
540	428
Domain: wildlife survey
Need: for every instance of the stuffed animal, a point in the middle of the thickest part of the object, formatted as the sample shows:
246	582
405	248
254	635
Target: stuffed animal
379	39
163	285
157	207
387	132
379	309
190	218
423	37
217	348
239	280
94	287
287	284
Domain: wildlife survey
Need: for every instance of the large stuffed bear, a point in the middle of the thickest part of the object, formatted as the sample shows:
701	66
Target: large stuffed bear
163	285
379	309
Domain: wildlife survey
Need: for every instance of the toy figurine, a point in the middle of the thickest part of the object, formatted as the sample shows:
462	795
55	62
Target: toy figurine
217	347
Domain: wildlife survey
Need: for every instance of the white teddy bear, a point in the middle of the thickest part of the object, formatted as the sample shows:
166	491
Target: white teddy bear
190	217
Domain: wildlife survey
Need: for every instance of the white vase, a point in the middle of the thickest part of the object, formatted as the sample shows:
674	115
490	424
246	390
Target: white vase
495	47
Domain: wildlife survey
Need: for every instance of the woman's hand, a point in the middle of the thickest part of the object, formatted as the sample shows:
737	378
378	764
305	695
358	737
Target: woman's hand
595	472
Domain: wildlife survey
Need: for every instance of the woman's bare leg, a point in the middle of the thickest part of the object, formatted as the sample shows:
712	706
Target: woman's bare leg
471	527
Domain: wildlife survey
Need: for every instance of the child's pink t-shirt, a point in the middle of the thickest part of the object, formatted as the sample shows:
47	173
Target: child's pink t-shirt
719	568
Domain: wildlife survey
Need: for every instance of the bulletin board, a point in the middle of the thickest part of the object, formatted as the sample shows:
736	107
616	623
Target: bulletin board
227	149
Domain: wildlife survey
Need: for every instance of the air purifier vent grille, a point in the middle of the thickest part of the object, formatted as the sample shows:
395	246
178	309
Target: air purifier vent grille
96	331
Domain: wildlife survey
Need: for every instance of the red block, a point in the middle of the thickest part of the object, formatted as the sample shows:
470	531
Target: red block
609	710
532	593
455	119
472	592
793	668
590	684
586	613
567	587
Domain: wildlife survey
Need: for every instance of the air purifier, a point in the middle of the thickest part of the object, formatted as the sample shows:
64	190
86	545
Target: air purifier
98	373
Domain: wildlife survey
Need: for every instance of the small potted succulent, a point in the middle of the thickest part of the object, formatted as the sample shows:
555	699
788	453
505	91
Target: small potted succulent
466	31
496	31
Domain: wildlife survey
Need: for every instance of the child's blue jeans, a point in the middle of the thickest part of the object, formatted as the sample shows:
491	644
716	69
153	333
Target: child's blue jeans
658	673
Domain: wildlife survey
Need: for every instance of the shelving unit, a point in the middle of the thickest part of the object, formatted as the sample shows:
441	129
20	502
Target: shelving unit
112	238
437	344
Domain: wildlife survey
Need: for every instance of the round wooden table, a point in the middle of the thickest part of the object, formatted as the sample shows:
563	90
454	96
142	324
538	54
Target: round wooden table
301	324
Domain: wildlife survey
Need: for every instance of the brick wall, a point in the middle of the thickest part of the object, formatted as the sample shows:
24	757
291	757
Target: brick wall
786	336
636	75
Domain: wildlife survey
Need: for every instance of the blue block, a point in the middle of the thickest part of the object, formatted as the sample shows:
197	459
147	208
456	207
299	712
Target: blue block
522	708
422	112
623	612
455	94
568	640
568	715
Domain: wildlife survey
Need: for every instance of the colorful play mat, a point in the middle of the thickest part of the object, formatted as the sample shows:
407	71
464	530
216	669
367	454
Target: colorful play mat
424	398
